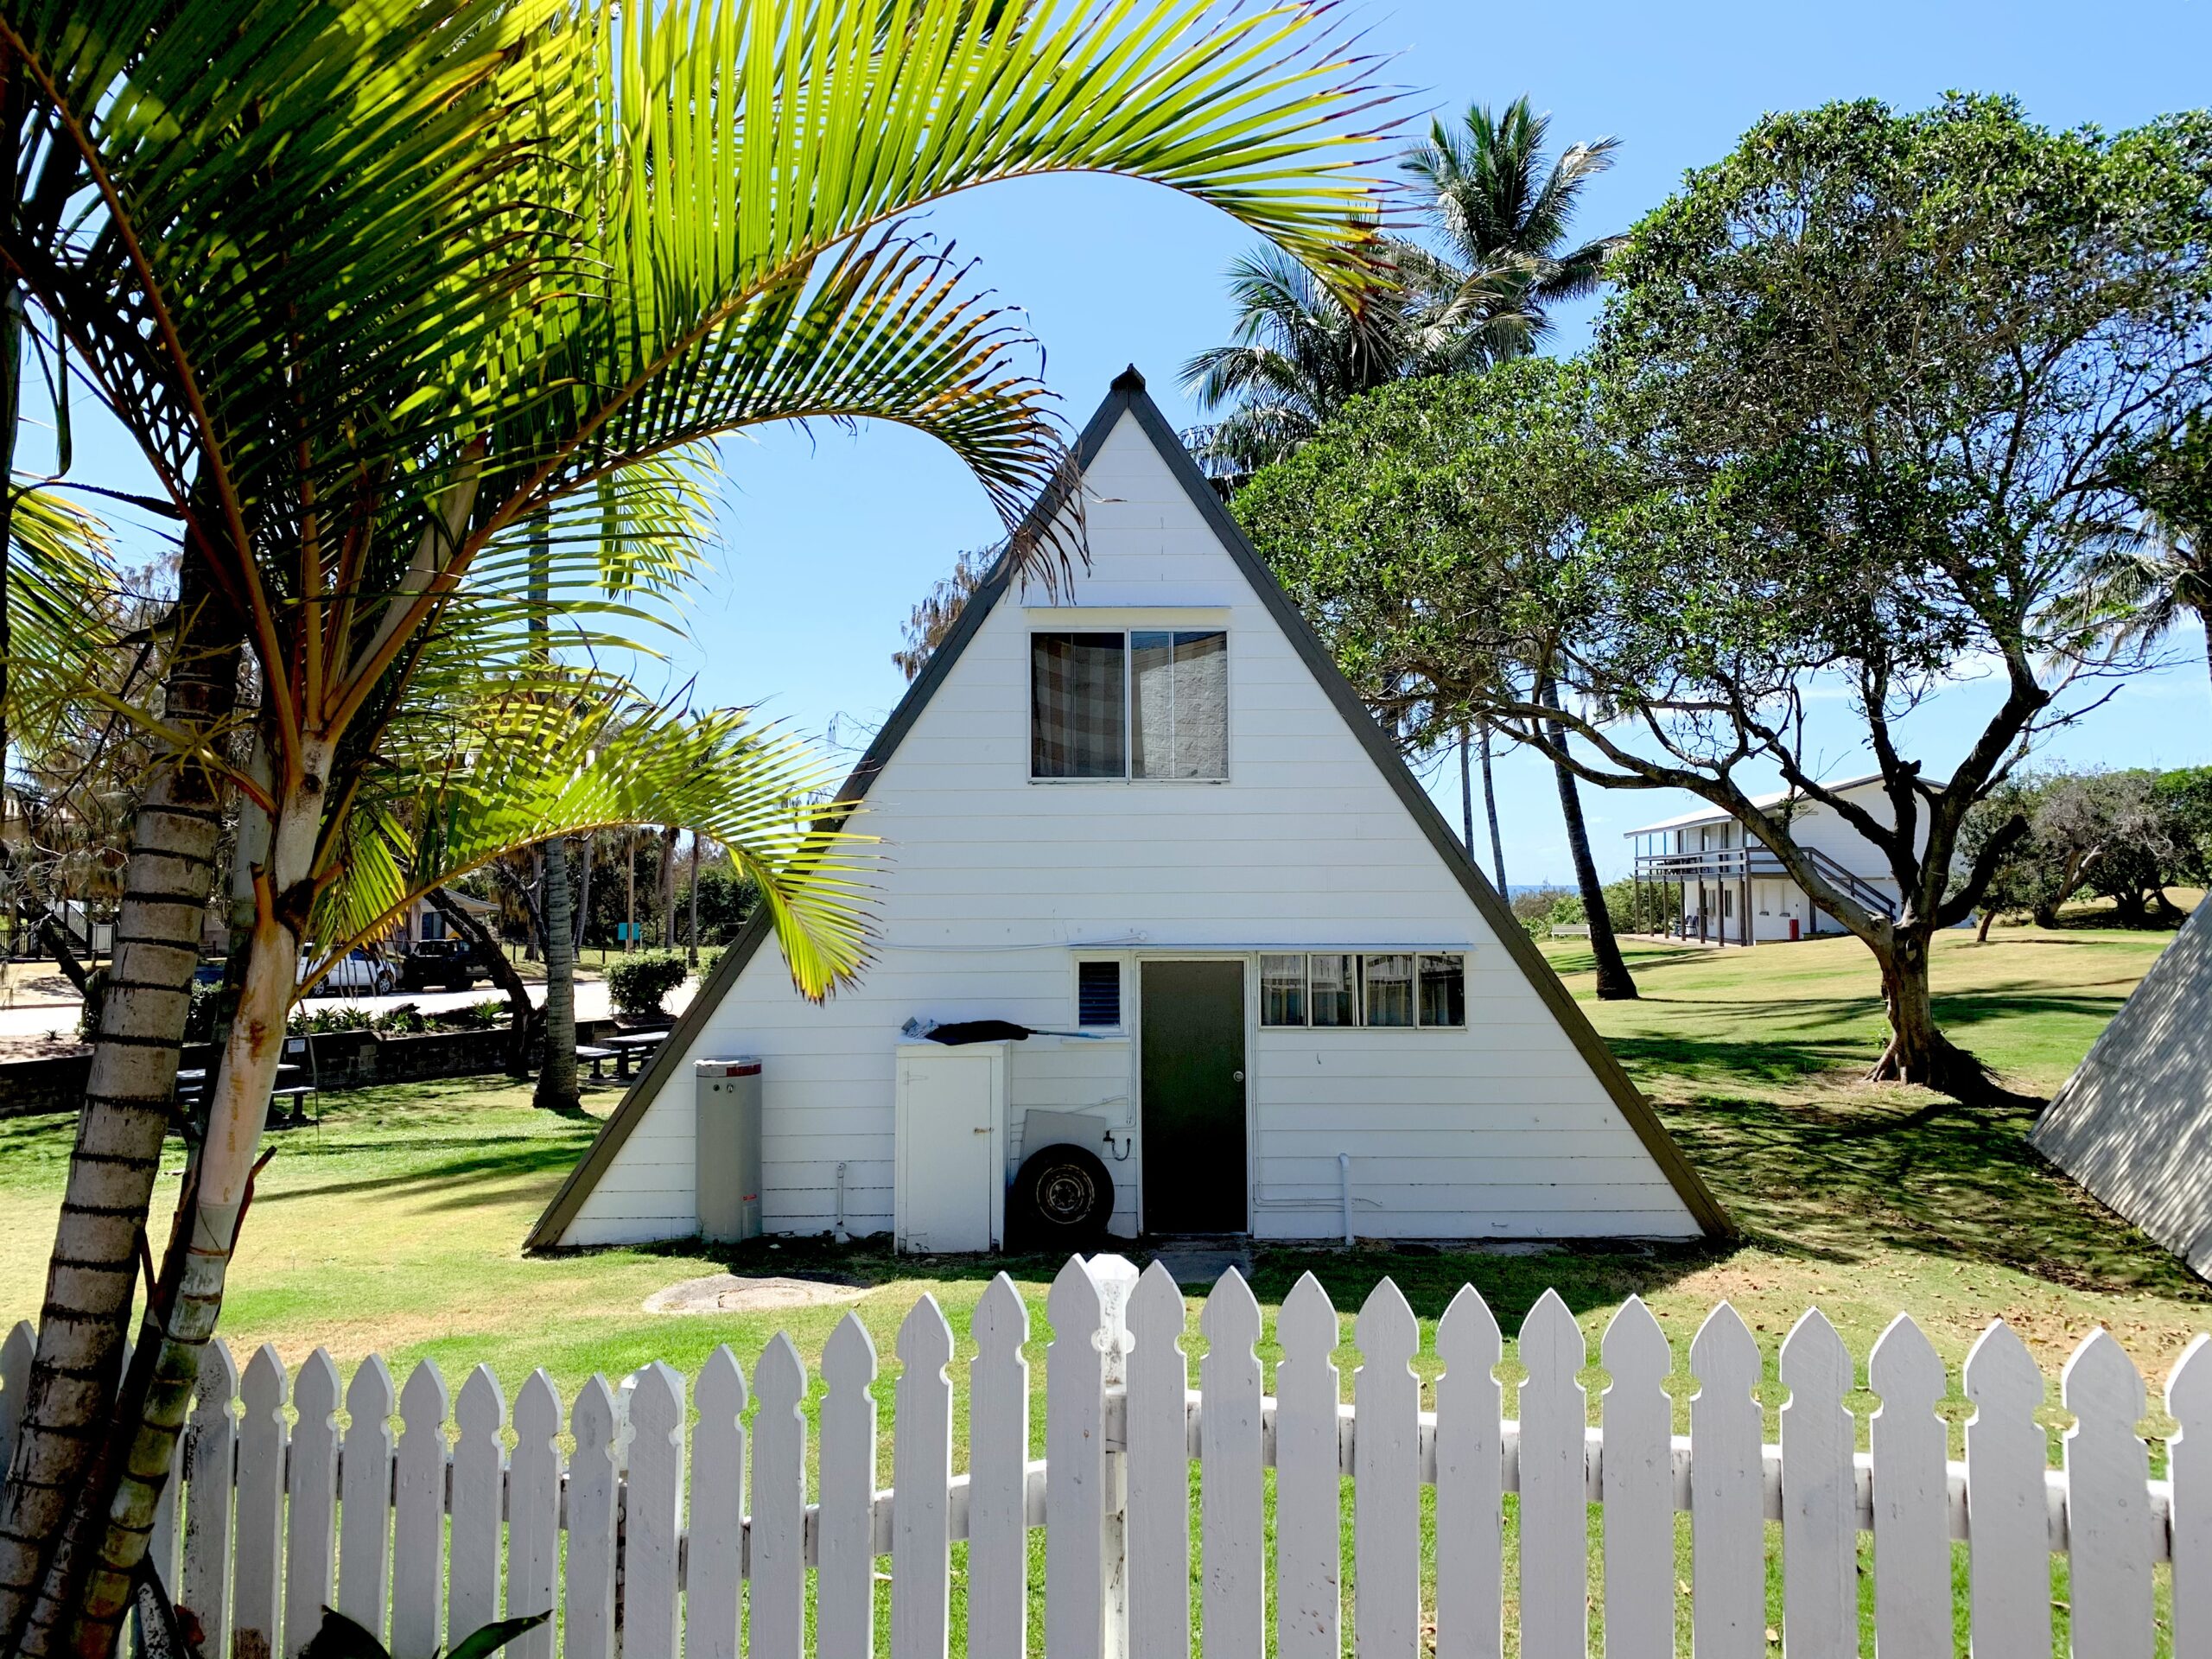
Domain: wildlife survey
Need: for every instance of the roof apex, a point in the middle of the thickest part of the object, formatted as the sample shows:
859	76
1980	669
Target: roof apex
1128	381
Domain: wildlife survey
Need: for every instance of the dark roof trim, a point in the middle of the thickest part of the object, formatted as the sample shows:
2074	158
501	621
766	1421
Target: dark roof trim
1128	395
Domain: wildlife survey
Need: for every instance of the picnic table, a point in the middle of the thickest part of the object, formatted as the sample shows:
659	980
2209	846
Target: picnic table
192	1088
638	1045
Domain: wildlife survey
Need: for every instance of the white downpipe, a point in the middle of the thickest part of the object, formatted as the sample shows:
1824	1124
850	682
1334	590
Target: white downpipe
1343	1183
841	1236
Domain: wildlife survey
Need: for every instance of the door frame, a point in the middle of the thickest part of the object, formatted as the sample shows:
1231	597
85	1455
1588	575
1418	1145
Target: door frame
1248	960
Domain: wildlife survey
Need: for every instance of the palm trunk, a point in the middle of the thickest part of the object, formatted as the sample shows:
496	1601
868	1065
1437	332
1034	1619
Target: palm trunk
668	834
81	1606
1489	805
1466	796
557	1087
523	1014
692	929
168	871
1614	982
11	414
590	845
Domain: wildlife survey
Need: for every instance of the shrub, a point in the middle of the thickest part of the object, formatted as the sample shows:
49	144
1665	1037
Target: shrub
641	981
342	1018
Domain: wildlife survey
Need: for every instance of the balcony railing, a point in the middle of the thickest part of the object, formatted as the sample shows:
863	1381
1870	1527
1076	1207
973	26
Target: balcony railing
1724	864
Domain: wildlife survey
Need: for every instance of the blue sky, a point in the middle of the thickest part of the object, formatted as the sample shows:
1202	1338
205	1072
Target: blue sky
827	538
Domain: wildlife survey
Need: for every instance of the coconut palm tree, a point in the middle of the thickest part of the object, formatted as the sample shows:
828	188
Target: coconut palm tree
411	298
1300	351
1501	210
2142	588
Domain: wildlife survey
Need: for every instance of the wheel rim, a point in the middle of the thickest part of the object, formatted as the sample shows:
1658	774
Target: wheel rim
1065	1195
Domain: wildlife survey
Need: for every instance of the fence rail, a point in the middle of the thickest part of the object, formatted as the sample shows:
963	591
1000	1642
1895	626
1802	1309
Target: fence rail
436	1529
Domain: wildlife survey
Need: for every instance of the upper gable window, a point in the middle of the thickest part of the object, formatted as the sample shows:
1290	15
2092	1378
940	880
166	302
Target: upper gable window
1150	703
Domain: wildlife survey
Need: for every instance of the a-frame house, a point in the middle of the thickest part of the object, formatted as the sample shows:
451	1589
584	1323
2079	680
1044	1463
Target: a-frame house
2133	1125
1146	812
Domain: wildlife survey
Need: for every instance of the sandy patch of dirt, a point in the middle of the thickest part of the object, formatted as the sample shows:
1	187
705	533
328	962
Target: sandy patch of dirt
725	1292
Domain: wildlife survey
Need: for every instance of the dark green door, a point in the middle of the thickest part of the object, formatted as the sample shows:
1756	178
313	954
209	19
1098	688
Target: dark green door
1193	1080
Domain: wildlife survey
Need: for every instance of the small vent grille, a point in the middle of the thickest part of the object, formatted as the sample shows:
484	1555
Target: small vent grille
1098	993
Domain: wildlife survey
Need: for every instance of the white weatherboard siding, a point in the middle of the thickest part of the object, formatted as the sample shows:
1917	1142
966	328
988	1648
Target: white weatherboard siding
2133	1125
993	885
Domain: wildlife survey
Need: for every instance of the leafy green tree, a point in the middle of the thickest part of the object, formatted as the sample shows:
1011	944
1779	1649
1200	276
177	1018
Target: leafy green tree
1883	375
423	315
1406	528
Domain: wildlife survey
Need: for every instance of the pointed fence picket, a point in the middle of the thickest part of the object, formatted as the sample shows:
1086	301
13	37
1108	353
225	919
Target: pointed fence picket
1912	1557
1639	1487
844	1578
1309	1566
1469	1481
921	1509
311	1491
1159	1459
644	1539
479	1476
364	1502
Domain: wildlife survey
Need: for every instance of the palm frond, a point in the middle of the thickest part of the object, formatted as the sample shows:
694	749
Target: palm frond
544	753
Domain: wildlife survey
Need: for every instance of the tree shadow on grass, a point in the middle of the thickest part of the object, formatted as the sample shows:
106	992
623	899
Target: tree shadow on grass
1837	1183
534	1156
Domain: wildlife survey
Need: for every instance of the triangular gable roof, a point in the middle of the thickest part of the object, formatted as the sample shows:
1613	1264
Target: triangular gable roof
2133	1125
1127	396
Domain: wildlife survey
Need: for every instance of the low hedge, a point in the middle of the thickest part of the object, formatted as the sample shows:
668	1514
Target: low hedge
641	983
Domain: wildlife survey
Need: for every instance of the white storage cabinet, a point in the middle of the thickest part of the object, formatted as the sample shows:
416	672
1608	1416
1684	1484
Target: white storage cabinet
948	1184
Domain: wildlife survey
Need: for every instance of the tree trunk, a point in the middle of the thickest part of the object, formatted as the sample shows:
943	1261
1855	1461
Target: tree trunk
1981	928
1918	1052
691	928
1489	805
590	846
1466	796
558	1090
82	1604
522	1011
630	899
166	875
57	946
1614	982
668	886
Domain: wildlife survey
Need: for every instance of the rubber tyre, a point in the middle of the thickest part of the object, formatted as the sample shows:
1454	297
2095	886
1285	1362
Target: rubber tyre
1062	1199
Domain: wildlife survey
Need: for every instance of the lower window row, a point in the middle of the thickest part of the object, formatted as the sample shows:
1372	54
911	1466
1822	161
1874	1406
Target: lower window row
1400	988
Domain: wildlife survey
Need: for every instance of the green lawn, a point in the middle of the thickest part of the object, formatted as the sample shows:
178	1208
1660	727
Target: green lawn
396	1226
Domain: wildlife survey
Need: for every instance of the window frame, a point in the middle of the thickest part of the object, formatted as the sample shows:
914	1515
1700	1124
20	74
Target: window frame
1127	629
1359	959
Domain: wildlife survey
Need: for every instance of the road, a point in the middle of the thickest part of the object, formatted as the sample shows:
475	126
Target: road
31	1020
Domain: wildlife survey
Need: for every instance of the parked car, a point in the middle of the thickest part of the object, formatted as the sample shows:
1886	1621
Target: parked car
456	964
355	973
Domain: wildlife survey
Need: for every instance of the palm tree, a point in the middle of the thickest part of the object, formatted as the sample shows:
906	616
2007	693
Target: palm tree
414	297
2140	589
1501	212
1300	351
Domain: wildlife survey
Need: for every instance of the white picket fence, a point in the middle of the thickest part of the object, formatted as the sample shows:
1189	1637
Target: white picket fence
417	1535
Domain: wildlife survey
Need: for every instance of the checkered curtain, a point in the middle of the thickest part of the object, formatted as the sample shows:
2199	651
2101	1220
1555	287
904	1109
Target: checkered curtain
1078	721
